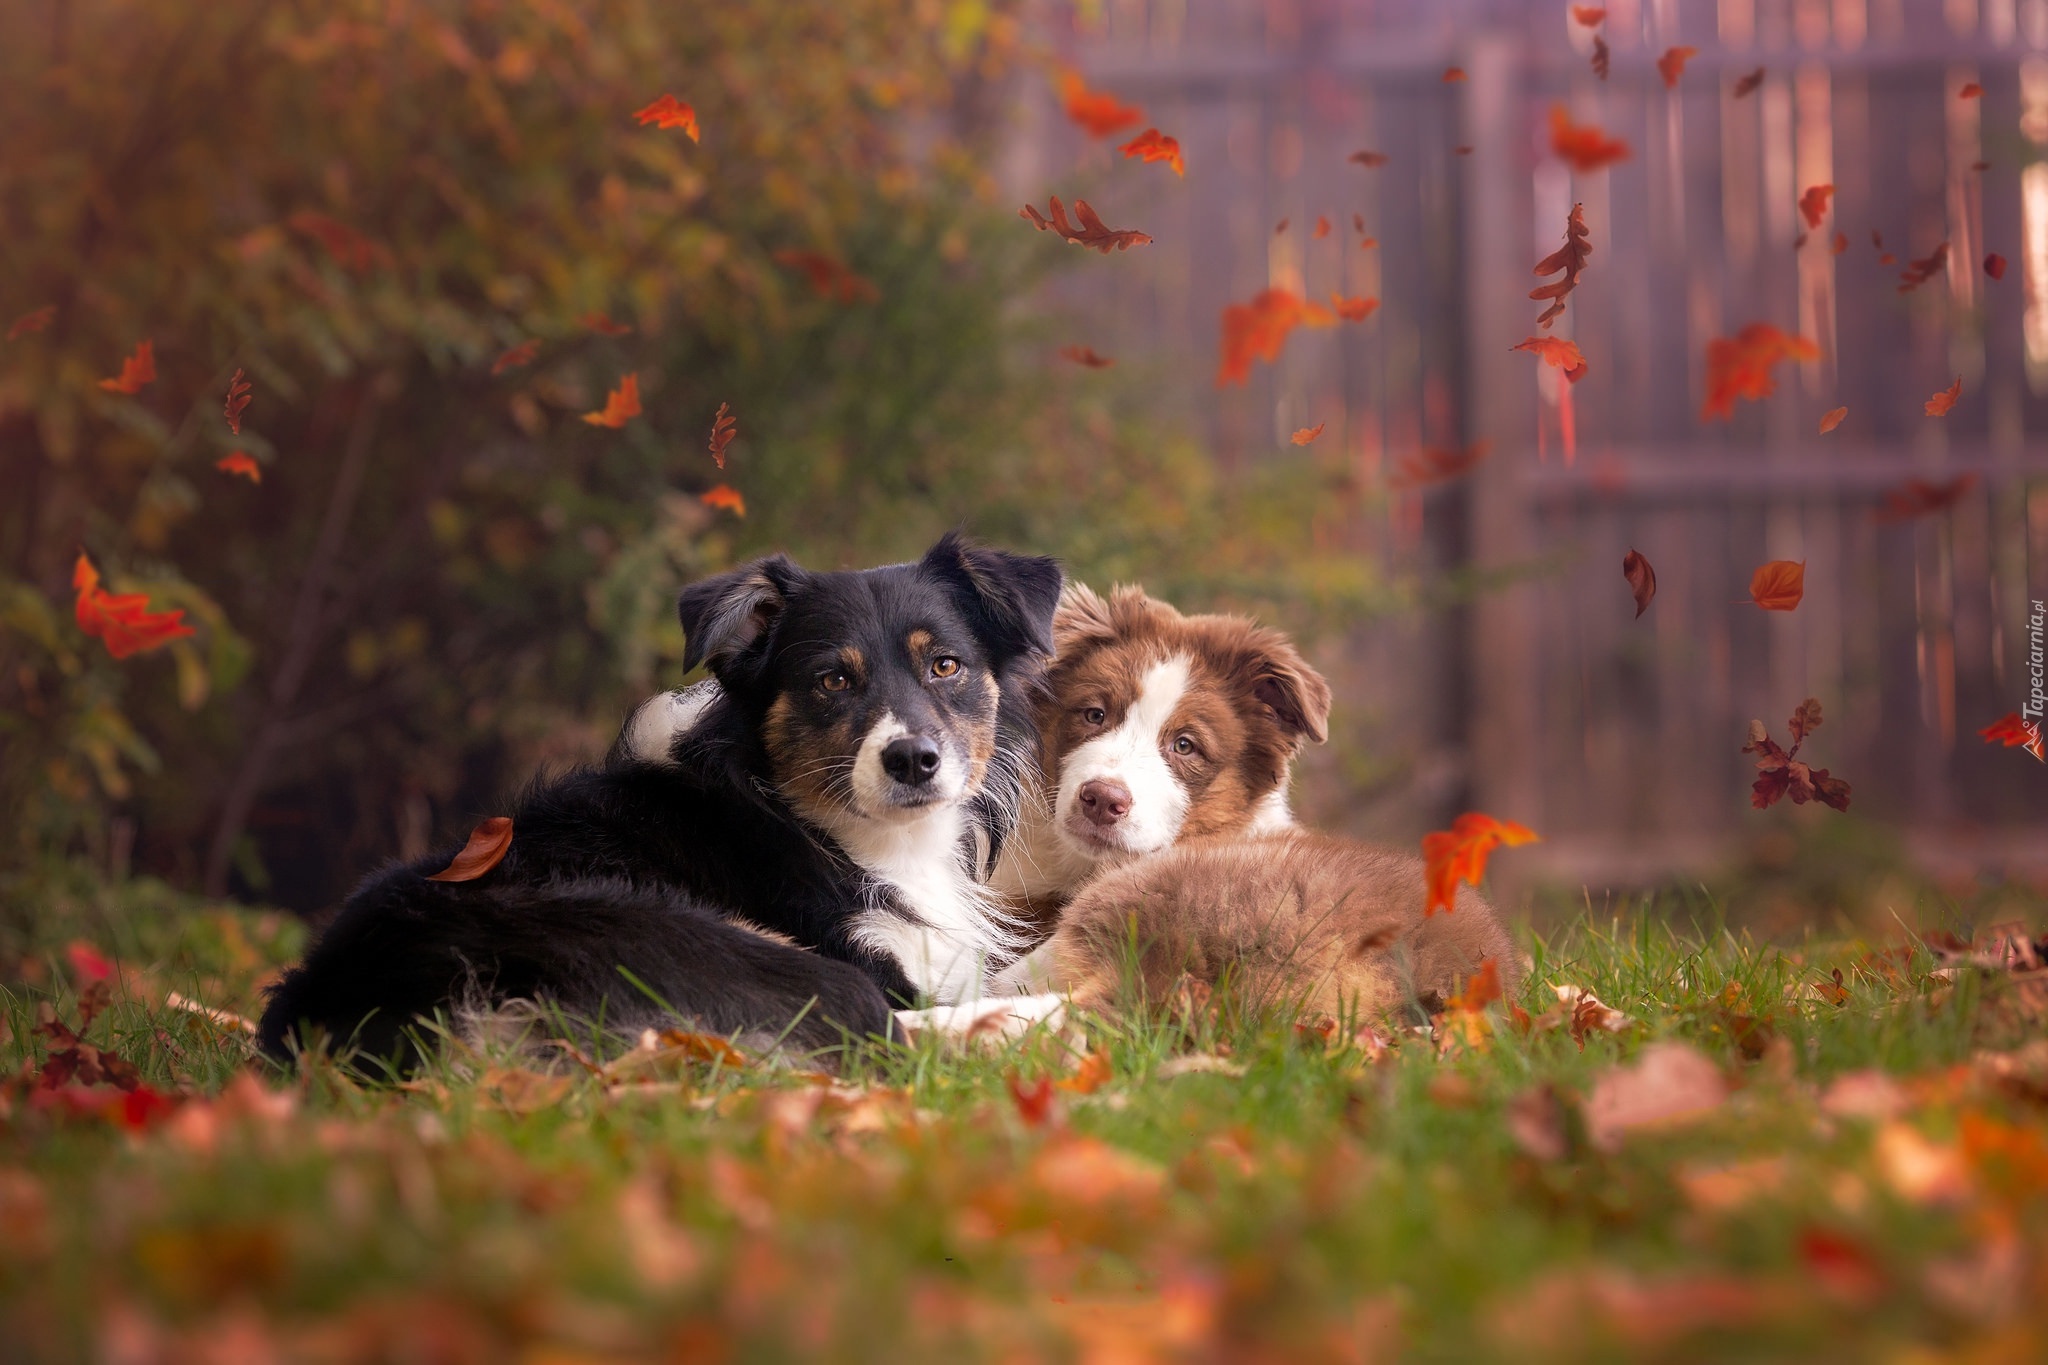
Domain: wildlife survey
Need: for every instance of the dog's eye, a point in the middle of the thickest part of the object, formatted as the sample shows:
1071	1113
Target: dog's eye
1183	745
1095	715
945	666
834	680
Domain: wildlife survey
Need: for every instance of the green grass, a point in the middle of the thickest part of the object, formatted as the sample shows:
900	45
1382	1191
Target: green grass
1320	1205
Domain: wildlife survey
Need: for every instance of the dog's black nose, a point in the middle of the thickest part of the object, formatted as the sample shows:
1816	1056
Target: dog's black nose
912	760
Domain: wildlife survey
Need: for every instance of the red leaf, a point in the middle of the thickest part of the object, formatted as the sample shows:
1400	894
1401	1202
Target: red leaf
1971	90
1747	85
237	402
1322	228
1919	498
1779	585
723	429
515	357
1940	403
1813	205
1994	266
487	846
1642	580
1085	355
1556	352
1307	434
1840	244
1097	114
1430	465
87	961
123	621
1034	1102
1589	16
1090	1076
1740	366
1672	64
1258	330
1453	74
830	278
137	370
34	321
1369	160
726	496
2015	731
1585	146
669	112
1921	271
621	405
240	464
1091	233
1569	259
1482	988
1352	310
1153	145
1460	853
1831	419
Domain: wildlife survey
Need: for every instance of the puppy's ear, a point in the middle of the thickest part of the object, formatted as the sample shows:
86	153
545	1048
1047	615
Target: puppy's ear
1297	693
1009	599
727	617
1082	618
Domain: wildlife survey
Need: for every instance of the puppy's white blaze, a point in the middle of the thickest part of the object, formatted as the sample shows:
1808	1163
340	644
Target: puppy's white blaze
652	728
1134	754
945	950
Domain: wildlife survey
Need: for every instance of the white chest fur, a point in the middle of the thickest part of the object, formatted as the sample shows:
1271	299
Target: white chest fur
945	926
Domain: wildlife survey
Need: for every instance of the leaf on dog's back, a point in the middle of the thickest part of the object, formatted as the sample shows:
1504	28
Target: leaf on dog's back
486	848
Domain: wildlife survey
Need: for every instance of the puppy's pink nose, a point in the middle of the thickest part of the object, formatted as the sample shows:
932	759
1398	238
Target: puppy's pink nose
1104	803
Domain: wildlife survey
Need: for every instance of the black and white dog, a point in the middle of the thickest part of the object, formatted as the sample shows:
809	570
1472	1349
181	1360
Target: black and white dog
794	850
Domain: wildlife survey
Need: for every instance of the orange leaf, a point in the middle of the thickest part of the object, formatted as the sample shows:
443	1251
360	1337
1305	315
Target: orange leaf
522	354
723	429
1482	988
1090	1076
34	321
1585	146
1840	244
1570	259
1153	145
1672	64
1369	160
1430	465
1940	403
1971	90
1091	233
1097	114
1831	419
1085	355
726	496
238	402
1034	1102
1453	74
621	405
1747	85
1307	434
1921	271
830	278
122	620
1918	498
1994	266
1322	228
670	112
1589	16
137	370
1352	310
1460	853
487	846
1740	366
238	462
602	324
1258	330
1556	352
1779	585
1642	580
1813	205
2015	731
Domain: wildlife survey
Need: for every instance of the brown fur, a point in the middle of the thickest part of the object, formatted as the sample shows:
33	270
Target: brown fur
1294	920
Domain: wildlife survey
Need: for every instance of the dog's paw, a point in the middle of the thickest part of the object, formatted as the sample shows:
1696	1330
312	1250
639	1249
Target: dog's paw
1000	1018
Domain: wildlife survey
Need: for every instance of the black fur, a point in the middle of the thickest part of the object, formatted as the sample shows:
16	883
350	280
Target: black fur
642	866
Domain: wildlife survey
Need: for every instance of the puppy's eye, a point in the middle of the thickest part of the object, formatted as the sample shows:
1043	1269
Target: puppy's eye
945	666
1095	715
834	680
1183	745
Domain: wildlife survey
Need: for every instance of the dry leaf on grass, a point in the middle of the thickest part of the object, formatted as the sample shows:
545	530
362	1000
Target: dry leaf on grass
1668	1086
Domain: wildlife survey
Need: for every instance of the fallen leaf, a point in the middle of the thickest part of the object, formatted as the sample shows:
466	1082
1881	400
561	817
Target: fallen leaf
1602	60
1721	1189
1198	1064
1431	465
1153	145
1090	1076
1919	1170
1369	160
1536	1123
516	356
621	405
87	962
1589	16
1453	74
1926	268
723	429
226	1019
1866	1094
1779	585
602	324
487	846
1354	309
1306	434
1746	86
1781	774
664	1255
1831	419
1587	1013
1740	366
239	462
1919	498
1085	1172
830	278
1460	853
348	248
1669	1085
1971	90
1940	403
725	496
1585	146
1034	1101
1322	229
1642	580
33	321
1672	64
1813	205
136	370
2015	731
1091	233
1085	355
1994	266
1097	114
123	621
669	112
1570	259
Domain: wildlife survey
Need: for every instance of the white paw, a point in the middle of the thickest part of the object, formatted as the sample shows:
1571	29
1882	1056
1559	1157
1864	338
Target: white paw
1003	1017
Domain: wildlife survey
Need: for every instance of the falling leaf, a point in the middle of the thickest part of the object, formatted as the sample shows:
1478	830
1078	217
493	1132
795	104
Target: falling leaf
1971	90
1740	366
1460	853
1747	85
1307	434
34	321
1352	309
1085	355
602	324
1091	233
1841	243
1369	160
487	846
1570	259
1585	146
830	278
2015	731
1980	165
1098	114
1322	228
1831	419
348	248
1779	585
621	405
1281	226
1921	271
1090	1076
1430	465
1919	498
1368	243
237	402
1668	1086
1781	774
723	429
725	496
87	962
1557	352
123	621
1813	205
1034	1102
669	112
1642	580
1589	16
1994	266
1672	64
137	370
1940	403
1153	145
1453	74
519	355
1258	330
240	463
1463	149
1602	61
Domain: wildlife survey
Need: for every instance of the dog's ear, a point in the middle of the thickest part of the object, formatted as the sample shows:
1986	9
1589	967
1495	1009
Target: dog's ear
1082	618
1009	599
1285	681
727	617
